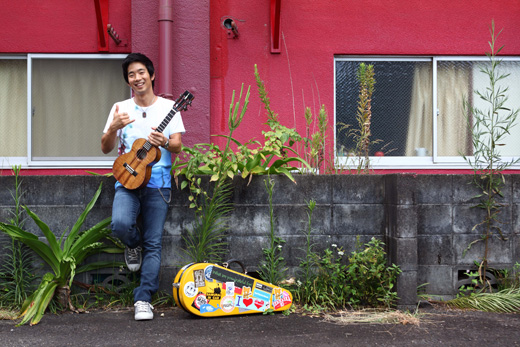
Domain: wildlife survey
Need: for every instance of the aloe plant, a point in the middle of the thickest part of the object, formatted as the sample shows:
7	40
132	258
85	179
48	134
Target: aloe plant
63	256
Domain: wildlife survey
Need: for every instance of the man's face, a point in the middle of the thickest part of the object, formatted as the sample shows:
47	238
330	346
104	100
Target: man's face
139	79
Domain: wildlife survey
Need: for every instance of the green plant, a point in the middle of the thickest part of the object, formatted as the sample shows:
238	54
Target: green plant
206	239
272	268
328	288
315	143
488	127
321	276
63	256
508	278
322	282
370	281
16	277
307	263
266	159
362	134
505	301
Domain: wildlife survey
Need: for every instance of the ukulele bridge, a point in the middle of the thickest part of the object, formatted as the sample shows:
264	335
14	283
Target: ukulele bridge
130	169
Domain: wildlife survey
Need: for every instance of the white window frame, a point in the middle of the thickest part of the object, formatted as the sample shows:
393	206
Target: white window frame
8	162
93	163
433	161
28	162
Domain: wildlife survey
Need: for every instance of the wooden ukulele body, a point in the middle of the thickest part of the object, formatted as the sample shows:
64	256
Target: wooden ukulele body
134	169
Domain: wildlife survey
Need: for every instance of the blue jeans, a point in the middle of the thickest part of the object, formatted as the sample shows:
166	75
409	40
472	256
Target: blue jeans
127	206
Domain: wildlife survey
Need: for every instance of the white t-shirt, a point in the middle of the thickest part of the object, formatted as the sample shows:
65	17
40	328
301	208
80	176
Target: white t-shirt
142	127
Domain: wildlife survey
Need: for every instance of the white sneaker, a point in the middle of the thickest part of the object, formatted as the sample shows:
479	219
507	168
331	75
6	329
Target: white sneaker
143	310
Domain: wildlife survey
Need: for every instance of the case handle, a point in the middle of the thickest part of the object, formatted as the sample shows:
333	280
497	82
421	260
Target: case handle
231	261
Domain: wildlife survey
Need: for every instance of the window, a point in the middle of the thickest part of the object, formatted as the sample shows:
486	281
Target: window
13	113
417	109
56	108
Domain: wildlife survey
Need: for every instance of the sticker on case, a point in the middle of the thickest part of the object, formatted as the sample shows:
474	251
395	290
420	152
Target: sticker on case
199	278
227	304
190	290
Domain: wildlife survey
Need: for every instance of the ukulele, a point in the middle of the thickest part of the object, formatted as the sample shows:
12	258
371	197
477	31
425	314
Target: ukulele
134	169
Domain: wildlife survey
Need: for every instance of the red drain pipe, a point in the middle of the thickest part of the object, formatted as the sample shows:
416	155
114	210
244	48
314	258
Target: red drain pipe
165	49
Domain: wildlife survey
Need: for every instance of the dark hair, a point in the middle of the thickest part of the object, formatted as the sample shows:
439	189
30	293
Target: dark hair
138	58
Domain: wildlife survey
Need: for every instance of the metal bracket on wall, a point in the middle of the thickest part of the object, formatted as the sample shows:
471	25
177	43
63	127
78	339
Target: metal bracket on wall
102	17
276	32
115	36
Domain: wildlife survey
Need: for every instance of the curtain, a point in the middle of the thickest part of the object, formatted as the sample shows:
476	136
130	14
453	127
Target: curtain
420	120
453	86
71	102
13	108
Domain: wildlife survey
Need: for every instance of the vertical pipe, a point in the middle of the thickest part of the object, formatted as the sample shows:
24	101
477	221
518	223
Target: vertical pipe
165	49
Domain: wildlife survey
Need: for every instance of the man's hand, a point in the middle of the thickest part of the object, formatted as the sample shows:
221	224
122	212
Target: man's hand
109	139
156	138
120	120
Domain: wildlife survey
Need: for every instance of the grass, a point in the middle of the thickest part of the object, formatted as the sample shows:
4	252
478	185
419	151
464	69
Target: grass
504	301
373	316
6	313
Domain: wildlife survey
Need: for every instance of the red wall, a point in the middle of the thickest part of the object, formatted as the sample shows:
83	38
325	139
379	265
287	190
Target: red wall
60	26
211	65
315	31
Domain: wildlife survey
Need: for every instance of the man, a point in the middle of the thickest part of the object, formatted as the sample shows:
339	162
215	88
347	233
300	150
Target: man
128	121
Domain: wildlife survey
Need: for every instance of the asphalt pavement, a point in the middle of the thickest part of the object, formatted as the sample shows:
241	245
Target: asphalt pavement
175	327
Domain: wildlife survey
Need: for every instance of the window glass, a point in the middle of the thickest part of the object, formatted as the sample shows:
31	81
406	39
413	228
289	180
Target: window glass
13	110
71	99
401	107
454	85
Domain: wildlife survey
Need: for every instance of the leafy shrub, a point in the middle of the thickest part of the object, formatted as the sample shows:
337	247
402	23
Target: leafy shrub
369	280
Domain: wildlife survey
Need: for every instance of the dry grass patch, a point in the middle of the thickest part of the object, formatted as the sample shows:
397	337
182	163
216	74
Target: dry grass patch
8	314
371	316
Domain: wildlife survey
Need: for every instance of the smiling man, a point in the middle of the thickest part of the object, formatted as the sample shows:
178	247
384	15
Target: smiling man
128	121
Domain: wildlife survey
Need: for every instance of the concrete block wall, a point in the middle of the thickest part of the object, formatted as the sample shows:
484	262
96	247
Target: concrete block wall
425	221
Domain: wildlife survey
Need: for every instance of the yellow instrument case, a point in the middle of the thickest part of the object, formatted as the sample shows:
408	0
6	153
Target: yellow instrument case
211	290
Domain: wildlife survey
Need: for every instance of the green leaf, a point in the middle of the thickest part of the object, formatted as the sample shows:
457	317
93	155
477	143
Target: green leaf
76	228
99	265
32	241
49	235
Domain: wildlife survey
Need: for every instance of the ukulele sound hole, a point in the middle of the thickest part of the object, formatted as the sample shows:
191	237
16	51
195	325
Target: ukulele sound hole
141	154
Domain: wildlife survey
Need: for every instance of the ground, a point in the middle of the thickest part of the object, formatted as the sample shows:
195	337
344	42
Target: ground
436	326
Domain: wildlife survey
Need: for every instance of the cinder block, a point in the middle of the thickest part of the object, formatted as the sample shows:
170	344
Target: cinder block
400	189
407	288
435	250
515	219
61	190
247	249
464	191
291	219
465	218
434	220
166	278
358	189
437	280
500	252
406	221
358	219
433	189
403	252
172	253
7	188
92	183
179	219
250	220
58	219
515	187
